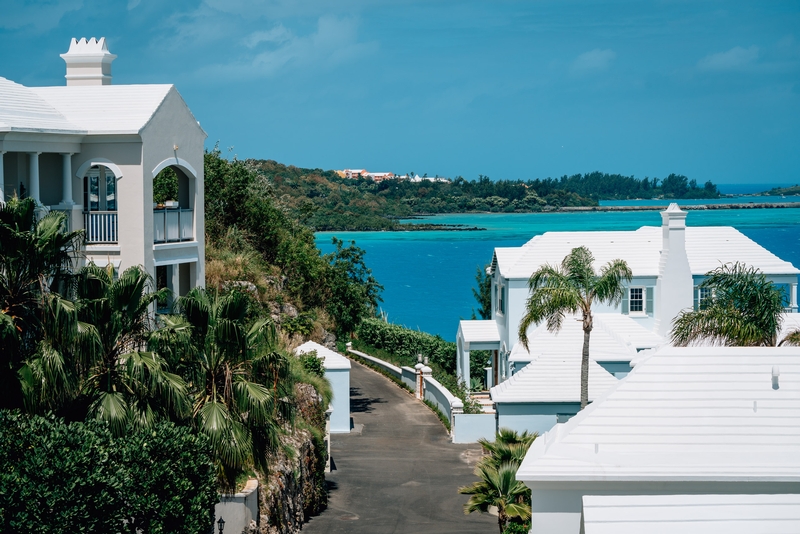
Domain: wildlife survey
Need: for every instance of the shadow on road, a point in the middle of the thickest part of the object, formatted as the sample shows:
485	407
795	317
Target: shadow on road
361	404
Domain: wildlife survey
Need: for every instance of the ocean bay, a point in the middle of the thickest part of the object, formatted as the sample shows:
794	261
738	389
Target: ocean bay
428	275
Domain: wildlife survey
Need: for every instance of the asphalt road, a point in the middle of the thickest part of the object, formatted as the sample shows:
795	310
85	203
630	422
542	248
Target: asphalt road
397	471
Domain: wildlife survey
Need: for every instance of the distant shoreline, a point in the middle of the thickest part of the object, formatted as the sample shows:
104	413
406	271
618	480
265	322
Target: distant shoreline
431	227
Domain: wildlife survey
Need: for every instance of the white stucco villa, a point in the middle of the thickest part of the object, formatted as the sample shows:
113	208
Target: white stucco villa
693	438
92	149
668	264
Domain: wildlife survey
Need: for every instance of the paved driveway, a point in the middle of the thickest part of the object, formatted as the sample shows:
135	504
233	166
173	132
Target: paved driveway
397	472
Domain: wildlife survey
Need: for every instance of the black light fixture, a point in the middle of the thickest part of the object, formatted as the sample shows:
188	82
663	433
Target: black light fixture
220	525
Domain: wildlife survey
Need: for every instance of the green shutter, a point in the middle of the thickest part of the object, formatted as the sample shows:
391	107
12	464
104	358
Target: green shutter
649	301
625	301
696	293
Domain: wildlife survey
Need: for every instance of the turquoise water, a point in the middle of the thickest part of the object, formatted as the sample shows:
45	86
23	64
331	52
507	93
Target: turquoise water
428	276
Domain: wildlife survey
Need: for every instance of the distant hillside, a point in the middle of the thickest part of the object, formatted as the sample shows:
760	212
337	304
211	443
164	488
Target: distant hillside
776	191
325	201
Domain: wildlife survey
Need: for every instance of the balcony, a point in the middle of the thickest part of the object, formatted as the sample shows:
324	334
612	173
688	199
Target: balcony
173	225
101	227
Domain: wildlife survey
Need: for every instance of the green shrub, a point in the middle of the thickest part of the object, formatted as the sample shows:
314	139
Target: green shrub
312	363
408	343
57	477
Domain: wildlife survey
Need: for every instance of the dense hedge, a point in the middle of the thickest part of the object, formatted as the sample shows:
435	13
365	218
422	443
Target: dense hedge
408	343
57	477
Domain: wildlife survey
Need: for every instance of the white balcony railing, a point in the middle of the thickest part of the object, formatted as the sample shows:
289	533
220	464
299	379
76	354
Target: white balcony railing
170	225
100	226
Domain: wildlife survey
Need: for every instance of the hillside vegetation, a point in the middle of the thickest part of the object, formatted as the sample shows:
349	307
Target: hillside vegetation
325	201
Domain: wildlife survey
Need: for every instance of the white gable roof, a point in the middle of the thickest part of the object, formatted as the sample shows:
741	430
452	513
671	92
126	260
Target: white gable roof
693	413
553	379
706	248
333	360
106	109
615	337
691	514
479	331
22	109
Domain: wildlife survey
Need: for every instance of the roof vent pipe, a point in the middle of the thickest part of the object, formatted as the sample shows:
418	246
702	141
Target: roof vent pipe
776	373
88	62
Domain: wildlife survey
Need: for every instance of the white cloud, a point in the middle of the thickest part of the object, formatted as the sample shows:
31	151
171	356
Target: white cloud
40	17
593	61
734	59
278	34
334	42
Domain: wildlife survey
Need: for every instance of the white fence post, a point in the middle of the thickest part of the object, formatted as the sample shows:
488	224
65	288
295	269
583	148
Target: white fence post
420	381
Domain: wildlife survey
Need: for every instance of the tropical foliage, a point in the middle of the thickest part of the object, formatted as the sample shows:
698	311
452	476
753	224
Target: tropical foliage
57	477
498	485
236	377
743	308
483	293
573	287
35	261
250	227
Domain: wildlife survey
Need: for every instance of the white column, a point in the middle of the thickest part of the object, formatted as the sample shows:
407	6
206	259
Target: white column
2	179
33	182
794	298
66	180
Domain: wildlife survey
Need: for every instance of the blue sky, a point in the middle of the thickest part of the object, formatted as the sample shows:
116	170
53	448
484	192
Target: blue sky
709	89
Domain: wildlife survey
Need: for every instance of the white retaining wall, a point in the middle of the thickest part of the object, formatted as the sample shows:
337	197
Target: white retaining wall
409	377
469	427
386	366
439	396
238	510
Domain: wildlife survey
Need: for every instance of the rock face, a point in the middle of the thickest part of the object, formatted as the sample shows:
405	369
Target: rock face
295	489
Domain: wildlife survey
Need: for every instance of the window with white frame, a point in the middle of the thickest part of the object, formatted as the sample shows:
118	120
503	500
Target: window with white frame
501	298
704	295
636	300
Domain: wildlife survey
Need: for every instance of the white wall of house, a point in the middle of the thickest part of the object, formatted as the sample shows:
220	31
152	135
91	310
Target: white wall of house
534	417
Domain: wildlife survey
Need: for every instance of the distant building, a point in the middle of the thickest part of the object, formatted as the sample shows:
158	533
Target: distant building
380	176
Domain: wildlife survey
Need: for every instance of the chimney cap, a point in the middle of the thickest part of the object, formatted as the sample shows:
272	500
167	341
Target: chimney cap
93	47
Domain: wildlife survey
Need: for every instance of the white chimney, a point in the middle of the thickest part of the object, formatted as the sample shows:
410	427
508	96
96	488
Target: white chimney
674	288
88	62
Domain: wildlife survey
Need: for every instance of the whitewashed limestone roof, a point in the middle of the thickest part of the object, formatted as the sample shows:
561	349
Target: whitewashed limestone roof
706	248
23	110
479	331
691	514
615	337
683	414
333	360
553	379
106	109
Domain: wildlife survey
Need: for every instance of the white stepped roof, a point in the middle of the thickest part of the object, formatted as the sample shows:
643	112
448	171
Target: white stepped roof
22	109
552	379
692	413
706	248
479	331
333	360
615	337
691	514
106	109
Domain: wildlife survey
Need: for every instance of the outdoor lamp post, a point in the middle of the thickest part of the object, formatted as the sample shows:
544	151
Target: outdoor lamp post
220	525
419	358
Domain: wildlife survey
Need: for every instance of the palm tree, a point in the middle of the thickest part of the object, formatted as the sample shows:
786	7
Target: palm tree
743	309
573	287
226	362
498	485
125	383
508	447
36	257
